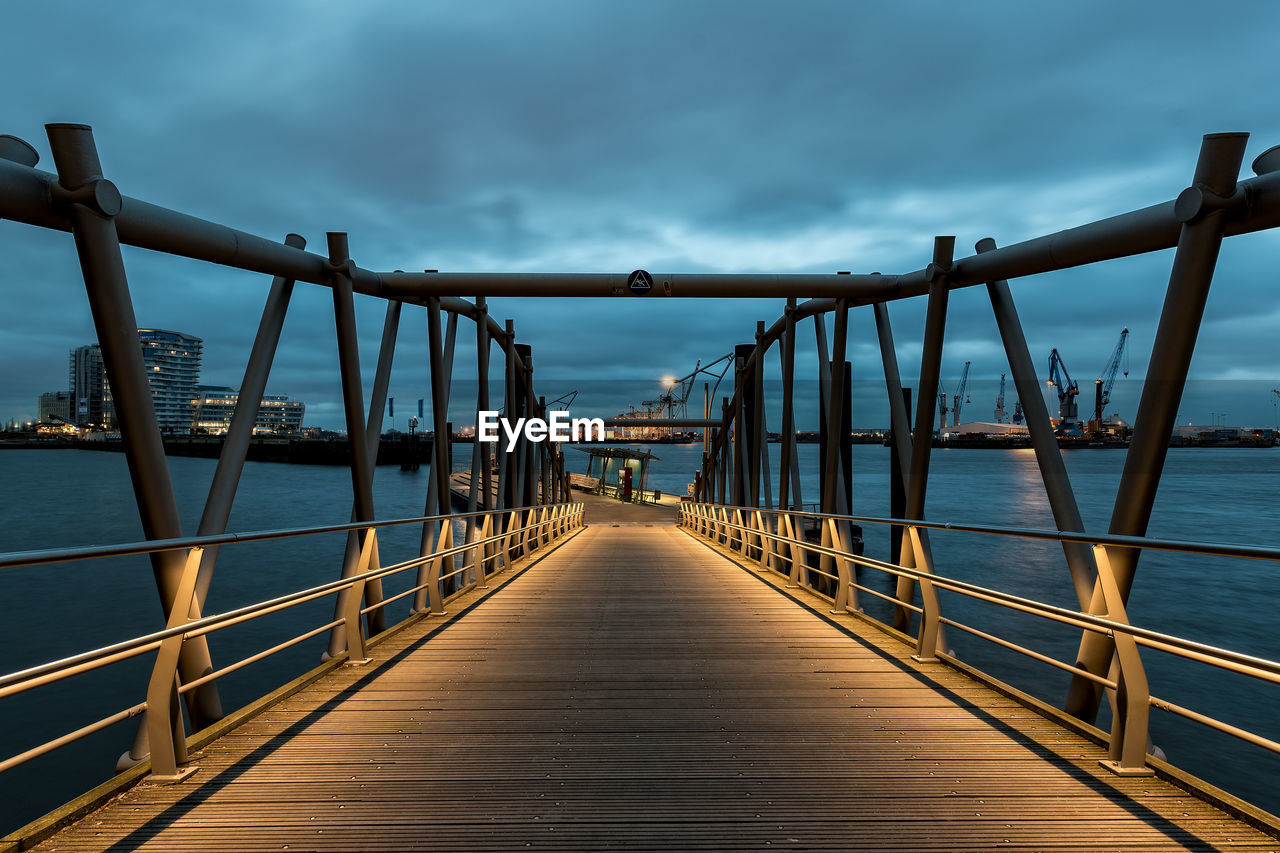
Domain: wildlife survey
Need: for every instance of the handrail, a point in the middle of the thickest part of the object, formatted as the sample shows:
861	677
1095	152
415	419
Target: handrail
758	534
1189	546
522	531
19	559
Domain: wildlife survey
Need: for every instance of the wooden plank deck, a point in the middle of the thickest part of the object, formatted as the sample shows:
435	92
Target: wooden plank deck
636	690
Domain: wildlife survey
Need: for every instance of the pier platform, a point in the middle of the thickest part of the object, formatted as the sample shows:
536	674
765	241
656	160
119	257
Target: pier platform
636	689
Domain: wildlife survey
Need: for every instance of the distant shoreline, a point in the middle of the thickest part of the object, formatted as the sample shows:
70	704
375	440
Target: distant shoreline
295	451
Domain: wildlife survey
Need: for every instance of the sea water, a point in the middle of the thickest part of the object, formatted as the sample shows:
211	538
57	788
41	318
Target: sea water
63	498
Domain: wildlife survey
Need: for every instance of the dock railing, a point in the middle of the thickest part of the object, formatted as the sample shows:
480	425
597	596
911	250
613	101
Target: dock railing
774	540
506	538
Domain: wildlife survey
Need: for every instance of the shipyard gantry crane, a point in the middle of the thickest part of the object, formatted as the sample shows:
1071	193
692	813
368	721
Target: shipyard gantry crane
960	398
1067	390
1102	385
1000	414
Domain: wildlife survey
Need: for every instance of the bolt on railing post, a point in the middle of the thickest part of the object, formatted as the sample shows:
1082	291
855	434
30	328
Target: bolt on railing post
1127	753
166	735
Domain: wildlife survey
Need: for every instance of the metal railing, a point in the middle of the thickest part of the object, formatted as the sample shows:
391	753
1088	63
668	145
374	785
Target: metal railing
500	539
775	539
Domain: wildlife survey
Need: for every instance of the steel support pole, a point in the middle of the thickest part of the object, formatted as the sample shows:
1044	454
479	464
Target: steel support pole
506	473
377	619
437	501
235	444
833	492
726	452
935	325
479	496
528	452
1203	209
758	445
544	461
898	484
91	203
440	381
523	464
900	435
706	415
787	353
353	405
1053	472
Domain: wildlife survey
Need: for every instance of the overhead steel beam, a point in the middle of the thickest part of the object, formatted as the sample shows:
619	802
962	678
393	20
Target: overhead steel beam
28	195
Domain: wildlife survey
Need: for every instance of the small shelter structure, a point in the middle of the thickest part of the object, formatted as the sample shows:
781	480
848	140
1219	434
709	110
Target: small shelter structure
619	472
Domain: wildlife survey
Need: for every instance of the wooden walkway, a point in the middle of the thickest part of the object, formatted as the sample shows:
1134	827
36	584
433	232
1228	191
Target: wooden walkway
636	690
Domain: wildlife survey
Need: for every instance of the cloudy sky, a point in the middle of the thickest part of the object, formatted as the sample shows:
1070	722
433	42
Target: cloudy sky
671	136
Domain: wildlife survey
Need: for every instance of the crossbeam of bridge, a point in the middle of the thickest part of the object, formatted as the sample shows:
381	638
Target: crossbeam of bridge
638	688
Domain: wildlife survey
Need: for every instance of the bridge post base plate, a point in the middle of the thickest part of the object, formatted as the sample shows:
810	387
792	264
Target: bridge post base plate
1116	768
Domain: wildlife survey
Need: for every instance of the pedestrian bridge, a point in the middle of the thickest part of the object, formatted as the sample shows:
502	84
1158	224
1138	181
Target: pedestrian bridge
635	685
705	679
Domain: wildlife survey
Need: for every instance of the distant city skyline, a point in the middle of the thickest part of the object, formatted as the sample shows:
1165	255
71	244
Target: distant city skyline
182	403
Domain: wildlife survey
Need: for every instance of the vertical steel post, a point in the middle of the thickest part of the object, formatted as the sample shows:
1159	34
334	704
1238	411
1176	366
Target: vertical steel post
353	405
438	490
351	560
544	461
901	539
926	397
824	399
740	436
787	447
1202	209
706	414
92	203
833	494
898	480
509	472
757	439
726	452
481	476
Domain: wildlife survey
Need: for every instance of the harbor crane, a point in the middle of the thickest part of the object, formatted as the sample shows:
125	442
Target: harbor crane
674	401
1000	414
960	398
1102	385
1067	390
1017	412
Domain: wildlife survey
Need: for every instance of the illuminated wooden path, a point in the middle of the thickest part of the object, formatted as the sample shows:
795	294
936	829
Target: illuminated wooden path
637	690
